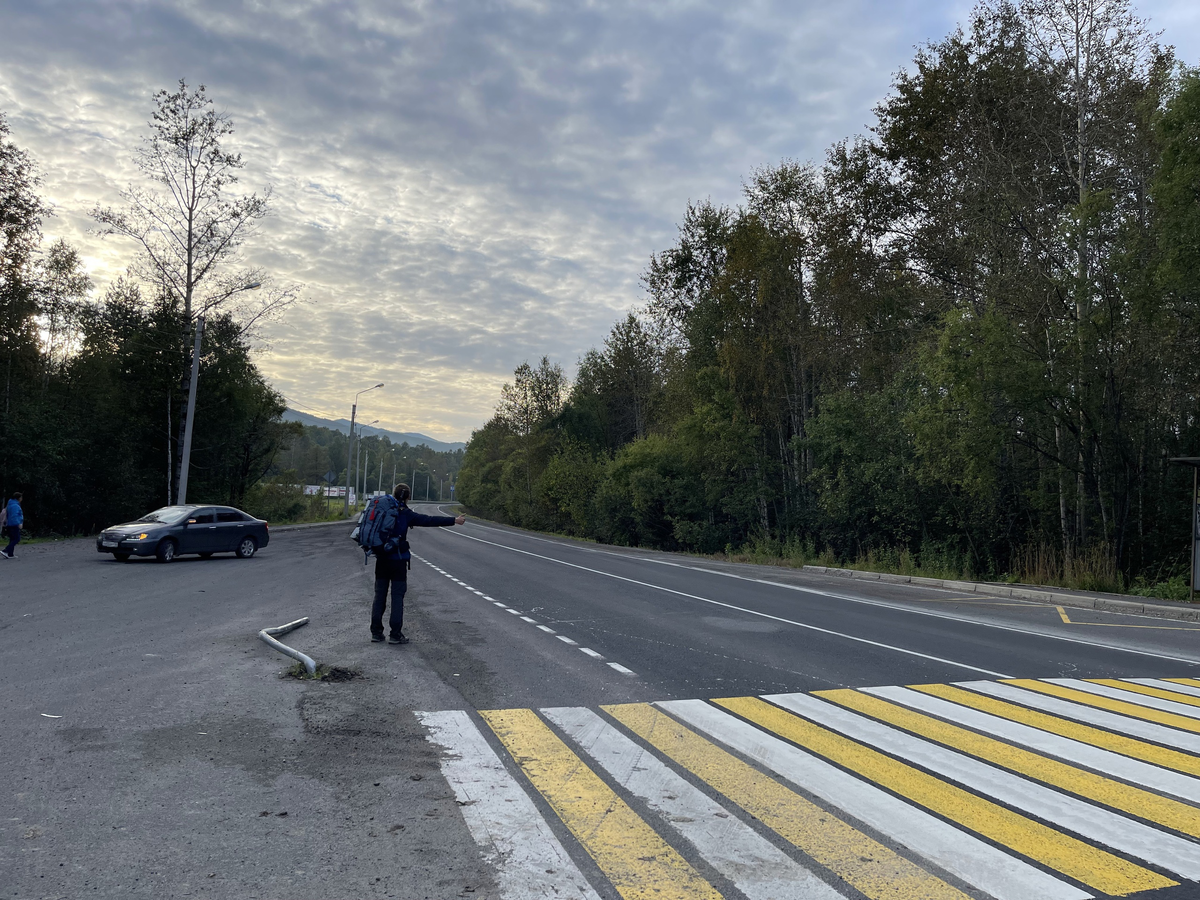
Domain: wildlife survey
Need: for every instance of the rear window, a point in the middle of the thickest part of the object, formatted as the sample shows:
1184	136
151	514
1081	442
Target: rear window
230	516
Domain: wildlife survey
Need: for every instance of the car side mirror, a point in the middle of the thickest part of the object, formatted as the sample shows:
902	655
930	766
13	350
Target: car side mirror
190	522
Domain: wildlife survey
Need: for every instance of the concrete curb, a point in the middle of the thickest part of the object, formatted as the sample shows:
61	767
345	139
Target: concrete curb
1189	612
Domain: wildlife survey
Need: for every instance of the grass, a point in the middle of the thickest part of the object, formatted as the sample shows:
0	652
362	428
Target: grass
323	673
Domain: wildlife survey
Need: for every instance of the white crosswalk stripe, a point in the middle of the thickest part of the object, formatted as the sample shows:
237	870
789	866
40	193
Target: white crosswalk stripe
1061	789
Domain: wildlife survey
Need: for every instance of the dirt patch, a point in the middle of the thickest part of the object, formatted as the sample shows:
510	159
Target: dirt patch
324	673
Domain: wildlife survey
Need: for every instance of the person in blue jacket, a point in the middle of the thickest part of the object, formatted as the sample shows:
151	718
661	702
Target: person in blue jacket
391	567
16	518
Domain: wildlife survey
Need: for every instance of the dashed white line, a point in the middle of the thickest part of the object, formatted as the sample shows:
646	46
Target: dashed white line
516	612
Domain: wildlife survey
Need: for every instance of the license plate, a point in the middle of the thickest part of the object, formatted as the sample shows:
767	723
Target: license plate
108	543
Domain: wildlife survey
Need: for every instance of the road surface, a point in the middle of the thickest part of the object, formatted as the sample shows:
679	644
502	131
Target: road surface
580	721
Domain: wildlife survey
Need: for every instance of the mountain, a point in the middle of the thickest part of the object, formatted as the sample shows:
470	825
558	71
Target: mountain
413	439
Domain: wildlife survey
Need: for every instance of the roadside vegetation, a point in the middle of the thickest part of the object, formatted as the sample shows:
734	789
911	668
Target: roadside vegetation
94	389
964	345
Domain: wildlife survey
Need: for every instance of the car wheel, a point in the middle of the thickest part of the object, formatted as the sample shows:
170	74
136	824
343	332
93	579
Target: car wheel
121	557
205	555
246	548
165	551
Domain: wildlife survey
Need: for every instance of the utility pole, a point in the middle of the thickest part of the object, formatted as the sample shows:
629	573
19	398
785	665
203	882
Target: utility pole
350	447
186	462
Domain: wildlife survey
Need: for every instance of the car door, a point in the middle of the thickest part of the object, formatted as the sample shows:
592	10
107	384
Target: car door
231	525
200	535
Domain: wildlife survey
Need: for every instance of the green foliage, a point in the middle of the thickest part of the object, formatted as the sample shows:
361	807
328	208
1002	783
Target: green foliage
90	410
963	347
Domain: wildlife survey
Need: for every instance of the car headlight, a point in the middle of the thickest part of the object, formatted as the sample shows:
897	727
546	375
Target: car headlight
138	537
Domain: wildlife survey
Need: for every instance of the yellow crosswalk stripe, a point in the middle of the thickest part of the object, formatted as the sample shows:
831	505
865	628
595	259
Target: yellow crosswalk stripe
1134	800
862	862
1118	706
1190	682
639	863
1147	690
1087	734
1089	865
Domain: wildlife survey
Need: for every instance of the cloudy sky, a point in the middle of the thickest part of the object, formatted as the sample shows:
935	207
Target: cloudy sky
459	186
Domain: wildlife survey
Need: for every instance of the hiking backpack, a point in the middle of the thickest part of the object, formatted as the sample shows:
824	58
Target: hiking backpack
377	525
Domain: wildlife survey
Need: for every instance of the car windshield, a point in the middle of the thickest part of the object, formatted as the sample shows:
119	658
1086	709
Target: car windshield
168	515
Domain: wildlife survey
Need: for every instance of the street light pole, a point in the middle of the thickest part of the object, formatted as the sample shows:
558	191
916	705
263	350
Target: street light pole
186	462
186	459
350	447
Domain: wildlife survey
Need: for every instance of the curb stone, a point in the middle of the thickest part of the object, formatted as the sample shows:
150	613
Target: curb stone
1189	612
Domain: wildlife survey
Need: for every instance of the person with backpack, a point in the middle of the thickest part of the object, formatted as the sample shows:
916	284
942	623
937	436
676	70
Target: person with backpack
14	518
384	533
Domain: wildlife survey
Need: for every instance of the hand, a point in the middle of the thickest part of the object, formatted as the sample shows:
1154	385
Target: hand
461	520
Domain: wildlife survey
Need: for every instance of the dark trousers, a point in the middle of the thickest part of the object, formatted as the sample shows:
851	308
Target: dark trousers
394	574
14	538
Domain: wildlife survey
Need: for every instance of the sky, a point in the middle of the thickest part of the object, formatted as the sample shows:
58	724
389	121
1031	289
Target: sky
458	187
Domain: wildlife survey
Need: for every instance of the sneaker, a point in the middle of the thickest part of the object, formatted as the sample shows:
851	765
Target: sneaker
376	638
398	639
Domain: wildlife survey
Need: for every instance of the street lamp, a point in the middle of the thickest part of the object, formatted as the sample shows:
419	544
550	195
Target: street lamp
361	468
350	446
186	461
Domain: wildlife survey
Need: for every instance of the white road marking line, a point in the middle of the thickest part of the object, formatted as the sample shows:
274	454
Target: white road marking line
565	639
1161	848
892	605
1150	731
501	817
1103	690
499	604
751	612
546	629
491	599
1071	751
975	862
473	591
1166	686
529	620
515	612
620	668
757	868
590	652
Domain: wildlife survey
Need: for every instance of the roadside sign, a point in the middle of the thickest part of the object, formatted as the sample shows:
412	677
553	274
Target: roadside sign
330	475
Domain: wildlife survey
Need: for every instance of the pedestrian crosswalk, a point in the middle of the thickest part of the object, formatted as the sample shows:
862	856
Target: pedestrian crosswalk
1017	789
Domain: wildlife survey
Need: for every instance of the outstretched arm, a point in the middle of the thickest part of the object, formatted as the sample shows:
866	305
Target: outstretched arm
420	519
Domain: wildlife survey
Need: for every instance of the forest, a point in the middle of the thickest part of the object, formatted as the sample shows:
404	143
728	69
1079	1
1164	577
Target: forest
95	394
965	343
96	390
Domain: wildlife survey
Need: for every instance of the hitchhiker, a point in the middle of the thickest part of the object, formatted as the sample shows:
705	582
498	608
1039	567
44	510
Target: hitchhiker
391	566
14	518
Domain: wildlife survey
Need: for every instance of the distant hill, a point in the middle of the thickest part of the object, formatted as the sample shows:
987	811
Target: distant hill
413	439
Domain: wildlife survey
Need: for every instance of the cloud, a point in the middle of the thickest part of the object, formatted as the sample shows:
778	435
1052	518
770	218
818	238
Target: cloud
459	186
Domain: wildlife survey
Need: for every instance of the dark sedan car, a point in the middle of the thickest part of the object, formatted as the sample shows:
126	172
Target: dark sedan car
172	530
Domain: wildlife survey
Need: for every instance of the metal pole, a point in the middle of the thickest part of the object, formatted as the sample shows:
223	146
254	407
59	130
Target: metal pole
394	469
349	453
379	484
191	415
1195	533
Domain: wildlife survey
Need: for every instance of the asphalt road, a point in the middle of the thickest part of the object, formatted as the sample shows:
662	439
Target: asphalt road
153	744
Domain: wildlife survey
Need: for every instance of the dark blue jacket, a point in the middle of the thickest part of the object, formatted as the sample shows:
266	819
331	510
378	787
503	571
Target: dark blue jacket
406	519
17	517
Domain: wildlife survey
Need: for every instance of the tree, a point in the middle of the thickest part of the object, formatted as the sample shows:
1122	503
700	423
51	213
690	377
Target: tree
21	214
188	229
534	397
